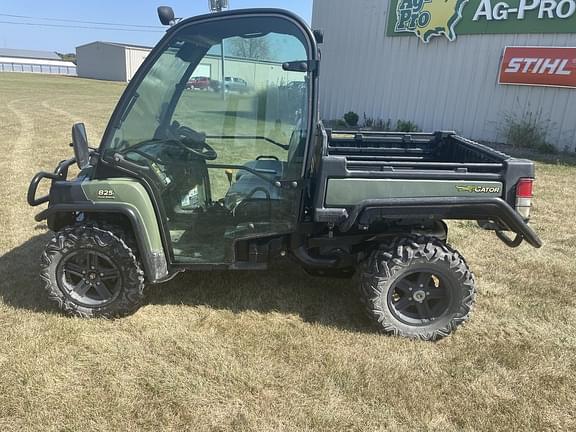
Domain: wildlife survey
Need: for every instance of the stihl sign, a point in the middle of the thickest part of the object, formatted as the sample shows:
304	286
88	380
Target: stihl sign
538	66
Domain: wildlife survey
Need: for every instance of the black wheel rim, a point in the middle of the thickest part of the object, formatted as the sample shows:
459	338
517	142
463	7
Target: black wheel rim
420	297
89	278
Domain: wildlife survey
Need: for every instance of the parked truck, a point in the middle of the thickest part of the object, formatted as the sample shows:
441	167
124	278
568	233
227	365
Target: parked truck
197	181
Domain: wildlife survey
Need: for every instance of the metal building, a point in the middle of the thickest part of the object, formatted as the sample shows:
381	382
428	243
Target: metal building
439	63
256	73
119	62
15	60
109	60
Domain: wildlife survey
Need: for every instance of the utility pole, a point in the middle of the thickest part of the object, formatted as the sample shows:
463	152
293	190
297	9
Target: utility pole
218	6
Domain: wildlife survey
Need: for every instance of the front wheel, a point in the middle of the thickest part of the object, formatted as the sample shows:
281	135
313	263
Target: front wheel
91	272
417	287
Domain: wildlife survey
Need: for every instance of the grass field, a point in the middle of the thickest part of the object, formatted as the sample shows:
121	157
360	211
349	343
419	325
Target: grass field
279	350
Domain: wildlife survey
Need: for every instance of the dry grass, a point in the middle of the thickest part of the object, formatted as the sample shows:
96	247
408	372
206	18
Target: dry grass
276	350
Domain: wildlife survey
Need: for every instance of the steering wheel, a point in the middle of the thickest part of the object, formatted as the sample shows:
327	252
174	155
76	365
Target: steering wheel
194	142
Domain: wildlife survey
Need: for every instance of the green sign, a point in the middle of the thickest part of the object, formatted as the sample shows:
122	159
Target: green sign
449	18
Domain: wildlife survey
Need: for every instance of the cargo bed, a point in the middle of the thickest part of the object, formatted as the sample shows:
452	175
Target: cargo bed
439	150
370	176
424	157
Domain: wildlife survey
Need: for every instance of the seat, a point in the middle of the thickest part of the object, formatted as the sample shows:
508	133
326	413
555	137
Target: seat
249	187
252	190
272	167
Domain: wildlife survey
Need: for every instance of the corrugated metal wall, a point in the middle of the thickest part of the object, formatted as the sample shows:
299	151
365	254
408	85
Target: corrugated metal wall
256	73
134	59
101	61
441	85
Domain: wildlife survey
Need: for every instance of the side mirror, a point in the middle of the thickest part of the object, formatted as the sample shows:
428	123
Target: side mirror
319	36
166	15
80	144
296	66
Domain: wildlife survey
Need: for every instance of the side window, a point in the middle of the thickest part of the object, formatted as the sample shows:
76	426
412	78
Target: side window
153	94
249	107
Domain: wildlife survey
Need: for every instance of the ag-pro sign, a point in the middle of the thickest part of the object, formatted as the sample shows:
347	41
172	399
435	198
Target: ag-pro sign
428	18
547	9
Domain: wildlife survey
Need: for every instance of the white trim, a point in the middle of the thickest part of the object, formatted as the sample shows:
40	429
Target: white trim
538	46
116	44
536	85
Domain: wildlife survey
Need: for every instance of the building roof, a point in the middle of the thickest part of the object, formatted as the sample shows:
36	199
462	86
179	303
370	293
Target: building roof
29	54
118	44
40	62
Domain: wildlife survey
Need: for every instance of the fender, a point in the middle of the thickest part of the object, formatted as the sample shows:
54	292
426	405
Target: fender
441	208
119	195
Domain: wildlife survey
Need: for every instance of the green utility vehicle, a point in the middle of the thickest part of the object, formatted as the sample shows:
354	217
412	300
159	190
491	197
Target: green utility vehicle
215	180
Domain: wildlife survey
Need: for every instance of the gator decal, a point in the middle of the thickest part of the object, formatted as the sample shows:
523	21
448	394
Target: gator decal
350	191
479	189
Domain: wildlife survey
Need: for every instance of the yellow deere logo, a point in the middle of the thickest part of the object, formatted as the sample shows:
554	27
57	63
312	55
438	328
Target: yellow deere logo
428	18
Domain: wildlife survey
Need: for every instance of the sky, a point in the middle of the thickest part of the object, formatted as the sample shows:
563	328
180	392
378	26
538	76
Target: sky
47	37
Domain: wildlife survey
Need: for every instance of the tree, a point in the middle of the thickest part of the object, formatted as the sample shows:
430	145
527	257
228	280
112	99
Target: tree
68	57
255	48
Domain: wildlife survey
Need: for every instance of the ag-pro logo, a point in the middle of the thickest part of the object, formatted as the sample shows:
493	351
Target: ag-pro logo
429	18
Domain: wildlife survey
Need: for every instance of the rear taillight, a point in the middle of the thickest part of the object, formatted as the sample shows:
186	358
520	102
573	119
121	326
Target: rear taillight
524	194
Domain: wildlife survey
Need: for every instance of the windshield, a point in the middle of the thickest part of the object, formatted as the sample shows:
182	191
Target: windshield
223	79
153	96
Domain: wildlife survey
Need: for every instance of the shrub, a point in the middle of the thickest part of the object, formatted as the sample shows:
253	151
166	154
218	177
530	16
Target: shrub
337	124
368	122
351	118
407	126
377	124
383	125
527	130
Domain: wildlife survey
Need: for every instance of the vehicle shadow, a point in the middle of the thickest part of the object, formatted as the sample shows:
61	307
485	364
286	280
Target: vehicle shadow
284	288
20	284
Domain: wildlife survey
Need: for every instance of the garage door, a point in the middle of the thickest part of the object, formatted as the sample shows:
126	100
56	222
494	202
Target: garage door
203	70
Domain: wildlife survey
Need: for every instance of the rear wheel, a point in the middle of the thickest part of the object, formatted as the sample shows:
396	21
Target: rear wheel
417	287
92	272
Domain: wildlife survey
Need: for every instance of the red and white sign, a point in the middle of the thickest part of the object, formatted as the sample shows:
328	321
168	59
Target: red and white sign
539	66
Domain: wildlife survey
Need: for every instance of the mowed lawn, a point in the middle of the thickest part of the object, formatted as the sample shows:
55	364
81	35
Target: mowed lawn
276	350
